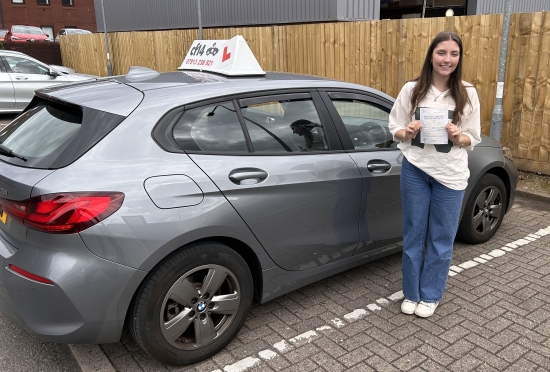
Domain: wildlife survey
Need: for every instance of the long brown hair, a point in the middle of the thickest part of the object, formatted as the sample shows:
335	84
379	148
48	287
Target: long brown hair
424	81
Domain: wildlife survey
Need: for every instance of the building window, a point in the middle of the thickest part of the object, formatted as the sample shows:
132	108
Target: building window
67	2
43	2
18	1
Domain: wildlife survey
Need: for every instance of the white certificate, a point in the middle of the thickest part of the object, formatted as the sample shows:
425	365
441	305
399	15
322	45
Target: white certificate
434	120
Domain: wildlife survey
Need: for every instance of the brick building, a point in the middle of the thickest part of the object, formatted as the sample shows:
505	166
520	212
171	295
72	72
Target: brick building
51	15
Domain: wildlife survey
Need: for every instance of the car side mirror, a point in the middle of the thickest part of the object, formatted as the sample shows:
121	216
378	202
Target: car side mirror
53	73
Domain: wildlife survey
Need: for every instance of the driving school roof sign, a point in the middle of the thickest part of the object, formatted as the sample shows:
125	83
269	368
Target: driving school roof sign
228	57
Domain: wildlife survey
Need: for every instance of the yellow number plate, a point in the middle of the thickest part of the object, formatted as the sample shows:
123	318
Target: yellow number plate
3	217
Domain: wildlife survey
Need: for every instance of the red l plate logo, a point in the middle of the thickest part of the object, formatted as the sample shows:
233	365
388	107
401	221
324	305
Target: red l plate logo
225	55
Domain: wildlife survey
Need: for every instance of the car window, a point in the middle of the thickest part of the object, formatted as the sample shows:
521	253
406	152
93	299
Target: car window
77	32
366	124
44	131
214	128
20	65
284	126
27	30
52	135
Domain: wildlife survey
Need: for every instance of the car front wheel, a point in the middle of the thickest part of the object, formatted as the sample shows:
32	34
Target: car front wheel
484	210
193	304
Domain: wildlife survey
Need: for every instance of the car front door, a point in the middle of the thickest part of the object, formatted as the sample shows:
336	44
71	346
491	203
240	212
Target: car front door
362	123
7	95
27	76
290	181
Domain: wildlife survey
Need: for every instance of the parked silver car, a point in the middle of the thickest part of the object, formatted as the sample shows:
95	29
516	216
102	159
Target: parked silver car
21	75
172	200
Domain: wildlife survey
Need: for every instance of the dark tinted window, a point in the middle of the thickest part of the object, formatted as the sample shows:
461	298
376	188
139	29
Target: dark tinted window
213	128
46	128
285	125
52	135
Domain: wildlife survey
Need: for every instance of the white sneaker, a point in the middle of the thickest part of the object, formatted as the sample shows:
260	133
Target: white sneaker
426	309
408	306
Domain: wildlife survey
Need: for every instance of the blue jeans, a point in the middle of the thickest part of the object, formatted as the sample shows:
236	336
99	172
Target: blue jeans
430	221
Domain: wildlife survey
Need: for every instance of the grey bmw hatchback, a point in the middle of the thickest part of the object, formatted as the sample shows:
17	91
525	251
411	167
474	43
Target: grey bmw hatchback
172	201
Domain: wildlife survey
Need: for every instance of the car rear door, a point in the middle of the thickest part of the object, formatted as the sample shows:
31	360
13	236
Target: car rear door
361	119
7	95
297	190
27	76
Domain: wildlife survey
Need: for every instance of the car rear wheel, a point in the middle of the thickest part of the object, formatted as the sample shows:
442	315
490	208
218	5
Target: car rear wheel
484	210
193	304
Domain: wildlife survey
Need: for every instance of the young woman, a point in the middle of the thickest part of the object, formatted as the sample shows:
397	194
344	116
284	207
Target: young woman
433	177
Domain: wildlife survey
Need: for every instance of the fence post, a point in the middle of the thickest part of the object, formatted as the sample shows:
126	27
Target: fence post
498	112
200	21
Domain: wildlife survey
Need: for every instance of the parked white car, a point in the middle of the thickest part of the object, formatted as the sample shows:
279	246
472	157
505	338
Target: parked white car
21	75
71	31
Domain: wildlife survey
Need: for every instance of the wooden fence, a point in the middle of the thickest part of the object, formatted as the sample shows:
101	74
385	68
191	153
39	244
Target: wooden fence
381	54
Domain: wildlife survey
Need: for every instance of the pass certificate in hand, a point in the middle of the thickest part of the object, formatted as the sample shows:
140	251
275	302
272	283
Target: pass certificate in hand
434	120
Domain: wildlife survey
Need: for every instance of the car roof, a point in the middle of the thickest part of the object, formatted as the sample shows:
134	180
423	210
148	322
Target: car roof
170	88
3	51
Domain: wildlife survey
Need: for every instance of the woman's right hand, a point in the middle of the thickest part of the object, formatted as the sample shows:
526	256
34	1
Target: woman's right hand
412	129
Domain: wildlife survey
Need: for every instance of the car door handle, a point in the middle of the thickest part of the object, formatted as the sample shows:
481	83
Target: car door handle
238	175
21	78
378	166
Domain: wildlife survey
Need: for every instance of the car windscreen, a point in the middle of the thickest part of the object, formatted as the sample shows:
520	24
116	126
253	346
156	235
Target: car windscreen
27	30
52	135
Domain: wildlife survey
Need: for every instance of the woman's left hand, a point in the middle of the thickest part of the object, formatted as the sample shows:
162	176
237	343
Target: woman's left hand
454	133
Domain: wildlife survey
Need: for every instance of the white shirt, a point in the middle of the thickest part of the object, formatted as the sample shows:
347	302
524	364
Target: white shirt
450	169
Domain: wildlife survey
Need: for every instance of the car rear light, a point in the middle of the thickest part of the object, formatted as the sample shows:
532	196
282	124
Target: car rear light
63	213
29	275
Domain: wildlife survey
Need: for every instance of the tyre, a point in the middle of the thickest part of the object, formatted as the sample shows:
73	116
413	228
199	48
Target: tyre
193	304
484	210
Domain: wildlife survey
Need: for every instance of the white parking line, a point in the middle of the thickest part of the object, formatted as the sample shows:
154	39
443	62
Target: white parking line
306	337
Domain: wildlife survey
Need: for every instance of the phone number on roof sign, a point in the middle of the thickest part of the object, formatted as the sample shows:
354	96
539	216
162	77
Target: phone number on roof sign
199	62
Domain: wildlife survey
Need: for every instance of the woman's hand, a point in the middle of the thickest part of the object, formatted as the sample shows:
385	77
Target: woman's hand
412	129
454	133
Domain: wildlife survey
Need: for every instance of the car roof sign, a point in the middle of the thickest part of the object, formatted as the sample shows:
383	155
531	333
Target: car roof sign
227	57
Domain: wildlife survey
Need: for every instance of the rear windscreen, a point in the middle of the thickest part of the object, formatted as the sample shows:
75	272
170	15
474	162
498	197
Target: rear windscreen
52	135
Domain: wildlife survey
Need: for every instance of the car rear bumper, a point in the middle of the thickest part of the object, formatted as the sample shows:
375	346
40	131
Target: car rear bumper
87	302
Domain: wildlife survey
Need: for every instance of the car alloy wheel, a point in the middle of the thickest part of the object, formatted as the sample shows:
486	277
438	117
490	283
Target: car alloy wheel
193	304
199	307
484	210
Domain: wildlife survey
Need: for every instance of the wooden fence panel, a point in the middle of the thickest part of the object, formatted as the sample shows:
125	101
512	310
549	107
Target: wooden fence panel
538	87
381	54
544	153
